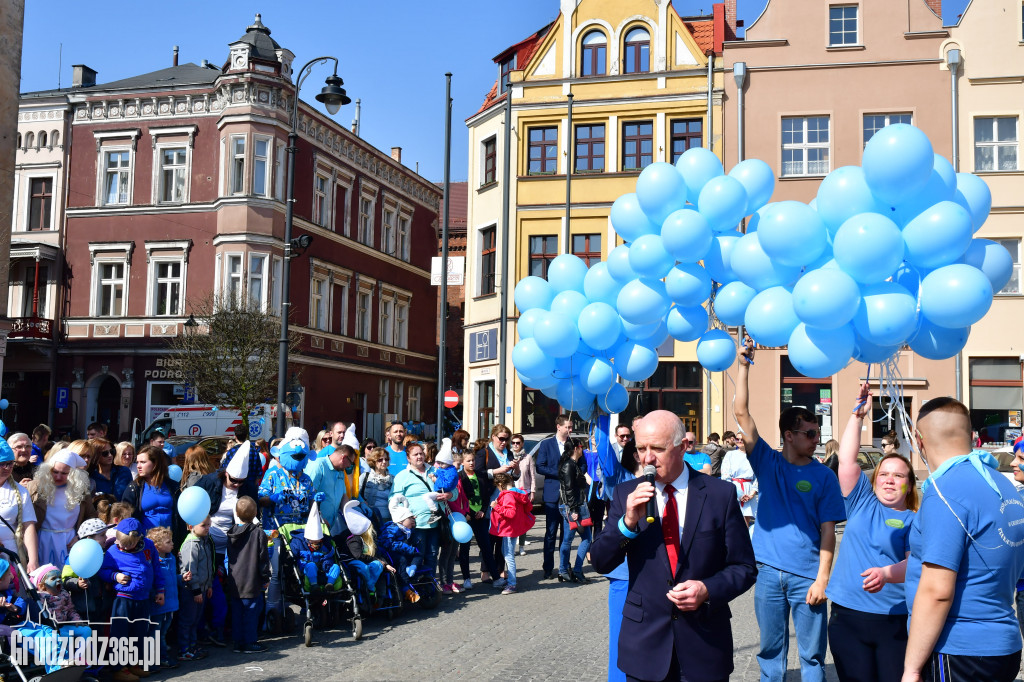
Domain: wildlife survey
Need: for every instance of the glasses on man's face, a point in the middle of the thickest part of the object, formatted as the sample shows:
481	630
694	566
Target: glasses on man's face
6	465
810	433
623	436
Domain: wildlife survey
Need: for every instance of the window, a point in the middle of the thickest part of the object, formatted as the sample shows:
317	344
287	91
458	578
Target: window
995	391
365	233
110	289
490	161
342	297
1013	286
687	133
318	303
595	50
167	289
403	238
402	324
254	283
40	203
388	238
118	173
488	253
385	387
589	149
172	174
842	25
543	151
484	406
363	315
637	56
386	334
33	298
279	173
237	165
233	277
260	163
399	398
414	403
805	145
875	122
637	145
42	138
505	68
275	286
320	200
674	386
587	247
543	250
995	143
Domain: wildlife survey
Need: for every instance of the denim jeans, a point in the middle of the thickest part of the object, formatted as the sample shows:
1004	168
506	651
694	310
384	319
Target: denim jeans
426	541
245	617
190	614
1019	599
161	623
508	549
567	536
776	594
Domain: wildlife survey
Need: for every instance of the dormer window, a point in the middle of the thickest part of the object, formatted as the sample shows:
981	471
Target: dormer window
637	57
507	66
594	54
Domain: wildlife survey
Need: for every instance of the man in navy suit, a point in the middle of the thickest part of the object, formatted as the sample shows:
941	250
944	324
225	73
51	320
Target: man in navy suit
548	454
684	568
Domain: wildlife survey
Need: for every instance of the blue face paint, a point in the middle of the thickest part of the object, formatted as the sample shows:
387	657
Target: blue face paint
1021	467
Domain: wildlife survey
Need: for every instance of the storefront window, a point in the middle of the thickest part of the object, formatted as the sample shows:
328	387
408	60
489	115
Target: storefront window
996	398
674	386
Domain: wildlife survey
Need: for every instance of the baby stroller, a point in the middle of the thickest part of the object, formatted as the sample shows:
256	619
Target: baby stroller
385	596
340	597
422	581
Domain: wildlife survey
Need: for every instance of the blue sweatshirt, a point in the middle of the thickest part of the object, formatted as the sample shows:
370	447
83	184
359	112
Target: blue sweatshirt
169	569
142	566
394	539
13	617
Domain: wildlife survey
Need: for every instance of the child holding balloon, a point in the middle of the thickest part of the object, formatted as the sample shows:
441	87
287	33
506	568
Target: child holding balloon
87	595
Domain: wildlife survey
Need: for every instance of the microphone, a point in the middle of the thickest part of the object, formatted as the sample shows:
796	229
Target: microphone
652	504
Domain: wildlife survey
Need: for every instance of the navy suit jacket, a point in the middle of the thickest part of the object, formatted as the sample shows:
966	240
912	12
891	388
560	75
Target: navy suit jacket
548	453
715	548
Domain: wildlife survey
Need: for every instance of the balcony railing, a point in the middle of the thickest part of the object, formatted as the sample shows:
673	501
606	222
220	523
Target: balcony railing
31	328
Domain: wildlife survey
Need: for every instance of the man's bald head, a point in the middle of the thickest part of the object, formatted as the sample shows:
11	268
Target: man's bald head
663	421
944	425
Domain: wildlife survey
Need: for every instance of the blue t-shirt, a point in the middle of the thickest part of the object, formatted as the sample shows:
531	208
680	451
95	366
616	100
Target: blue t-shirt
981	620
157	505
795	501
875	536
697	460
399	460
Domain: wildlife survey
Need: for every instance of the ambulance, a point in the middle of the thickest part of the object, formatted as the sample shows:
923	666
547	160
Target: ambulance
202	421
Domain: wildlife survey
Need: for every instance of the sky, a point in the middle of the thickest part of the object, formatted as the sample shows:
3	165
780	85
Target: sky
393	55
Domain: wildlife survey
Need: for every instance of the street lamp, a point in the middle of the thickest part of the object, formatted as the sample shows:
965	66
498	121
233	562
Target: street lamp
333	97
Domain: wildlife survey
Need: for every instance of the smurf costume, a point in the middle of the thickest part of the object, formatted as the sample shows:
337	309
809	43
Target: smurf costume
285	484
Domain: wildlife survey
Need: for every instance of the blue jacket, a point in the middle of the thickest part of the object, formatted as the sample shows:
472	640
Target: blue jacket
548	454
120	478
142	566
169	569
14	617
393	539
323	558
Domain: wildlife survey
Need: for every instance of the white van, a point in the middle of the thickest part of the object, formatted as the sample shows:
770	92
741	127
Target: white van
200	421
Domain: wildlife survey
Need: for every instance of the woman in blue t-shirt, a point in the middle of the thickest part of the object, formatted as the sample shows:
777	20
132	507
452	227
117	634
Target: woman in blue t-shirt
152	494
867	630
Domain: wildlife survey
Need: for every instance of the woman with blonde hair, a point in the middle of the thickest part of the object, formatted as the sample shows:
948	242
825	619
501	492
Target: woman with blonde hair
323	439
61	496
197	464
126	457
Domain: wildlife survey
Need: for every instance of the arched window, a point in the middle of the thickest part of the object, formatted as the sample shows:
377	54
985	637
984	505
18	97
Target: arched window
30	140
19	139
54	138
42	138
594	54
637	55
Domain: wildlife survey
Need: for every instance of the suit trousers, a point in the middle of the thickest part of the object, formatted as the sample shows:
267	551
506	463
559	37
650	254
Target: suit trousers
552	526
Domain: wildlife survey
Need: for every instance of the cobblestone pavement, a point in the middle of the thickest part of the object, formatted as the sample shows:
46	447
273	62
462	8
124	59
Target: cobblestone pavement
548	631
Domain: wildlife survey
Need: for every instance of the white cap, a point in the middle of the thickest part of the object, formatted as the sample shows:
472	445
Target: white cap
66	456
444	455
355	519
296	433
399	514
314	524
238	467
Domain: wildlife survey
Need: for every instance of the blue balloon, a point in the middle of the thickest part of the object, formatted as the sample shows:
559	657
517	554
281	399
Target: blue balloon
4	404
538	382
826	299
757	179
566	273
944	168
528	358
938	236
754	268
687	323
818	352
897	162
723	202
843	194
938	343
556	336
86	557
599	285
597	375
993	259
619	267
868	247
639	332
573	395
629	219
973	194
643	301
770	317
599	325
716	351
635	362
193	505
174	473
648	255
688	284
870	353
533	292
660	190
791	233
731	302
941	186
526	322
615	400
655	340
698	165
568	304
687	235
955	296
461	531
716	262
887	314
908	277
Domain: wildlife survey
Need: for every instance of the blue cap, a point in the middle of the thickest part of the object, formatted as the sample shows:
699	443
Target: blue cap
4	565
129	525
6	453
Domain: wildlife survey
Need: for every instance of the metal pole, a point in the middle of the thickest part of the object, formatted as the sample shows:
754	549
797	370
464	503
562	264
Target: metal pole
503	329
711	89
444	255
566	232
953	61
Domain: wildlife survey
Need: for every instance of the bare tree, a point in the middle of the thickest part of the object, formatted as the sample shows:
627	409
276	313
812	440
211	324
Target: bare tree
230	358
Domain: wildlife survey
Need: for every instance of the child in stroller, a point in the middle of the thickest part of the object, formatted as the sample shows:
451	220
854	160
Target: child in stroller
376	587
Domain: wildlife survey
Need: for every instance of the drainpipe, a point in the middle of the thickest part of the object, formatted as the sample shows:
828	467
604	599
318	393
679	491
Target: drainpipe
505	211
711	89
568	177
953	60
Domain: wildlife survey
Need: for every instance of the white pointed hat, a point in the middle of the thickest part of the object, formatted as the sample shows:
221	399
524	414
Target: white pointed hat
238	467
355	519
314	524
350	438
444	455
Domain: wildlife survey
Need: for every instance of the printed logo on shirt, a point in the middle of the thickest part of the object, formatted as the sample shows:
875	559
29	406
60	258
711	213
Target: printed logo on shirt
1014	506
894	523
804	486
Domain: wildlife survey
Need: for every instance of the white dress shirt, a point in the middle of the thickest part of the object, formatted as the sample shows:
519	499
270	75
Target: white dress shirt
680	484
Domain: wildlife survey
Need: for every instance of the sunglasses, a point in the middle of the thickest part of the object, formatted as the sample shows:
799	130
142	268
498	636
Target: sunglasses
517	442
108	453
503	439
810	433
236	481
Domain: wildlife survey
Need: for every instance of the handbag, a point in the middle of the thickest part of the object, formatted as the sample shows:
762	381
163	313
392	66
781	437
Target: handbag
584	522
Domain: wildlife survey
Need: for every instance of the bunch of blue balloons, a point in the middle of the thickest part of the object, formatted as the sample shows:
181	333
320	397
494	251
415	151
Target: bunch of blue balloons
883	256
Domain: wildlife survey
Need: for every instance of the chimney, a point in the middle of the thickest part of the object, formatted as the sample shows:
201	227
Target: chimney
175	62
396	154
730	19
205	64
355	121
82	76
936	6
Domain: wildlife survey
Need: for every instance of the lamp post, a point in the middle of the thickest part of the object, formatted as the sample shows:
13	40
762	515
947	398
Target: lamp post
333	97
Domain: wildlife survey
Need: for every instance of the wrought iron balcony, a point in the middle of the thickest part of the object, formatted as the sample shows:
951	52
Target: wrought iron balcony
31	328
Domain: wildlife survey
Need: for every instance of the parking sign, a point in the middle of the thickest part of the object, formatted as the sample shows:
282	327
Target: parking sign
62	398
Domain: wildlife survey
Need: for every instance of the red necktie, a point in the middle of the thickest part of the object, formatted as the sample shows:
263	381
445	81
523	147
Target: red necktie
670	528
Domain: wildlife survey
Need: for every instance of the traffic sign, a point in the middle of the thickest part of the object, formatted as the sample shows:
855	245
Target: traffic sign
451	398
62	398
